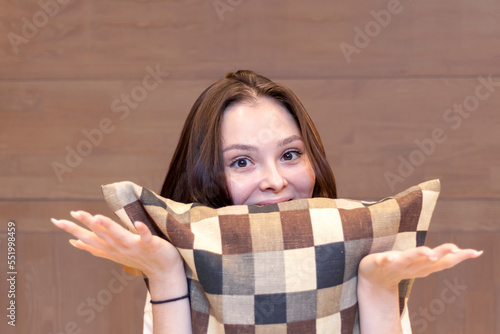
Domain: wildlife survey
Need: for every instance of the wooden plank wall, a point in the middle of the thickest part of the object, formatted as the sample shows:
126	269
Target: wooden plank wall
386	106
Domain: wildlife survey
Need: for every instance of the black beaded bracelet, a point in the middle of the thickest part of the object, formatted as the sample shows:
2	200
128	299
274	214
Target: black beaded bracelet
168	300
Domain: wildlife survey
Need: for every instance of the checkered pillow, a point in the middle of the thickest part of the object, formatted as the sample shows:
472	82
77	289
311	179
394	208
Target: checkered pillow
279	268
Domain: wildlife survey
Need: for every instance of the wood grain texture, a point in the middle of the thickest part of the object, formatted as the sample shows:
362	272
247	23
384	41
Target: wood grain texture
34	216
60	289
369	128
88	65
92	40
463	299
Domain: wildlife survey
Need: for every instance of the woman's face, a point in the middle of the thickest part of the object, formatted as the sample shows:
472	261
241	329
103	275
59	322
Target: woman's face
264	155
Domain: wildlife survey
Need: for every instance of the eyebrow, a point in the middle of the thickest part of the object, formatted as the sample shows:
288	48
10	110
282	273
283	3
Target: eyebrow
290	140
253	148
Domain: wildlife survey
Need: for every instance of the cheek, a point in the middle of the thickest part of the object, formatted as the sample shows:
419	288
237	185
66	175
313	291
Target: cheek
240	188
305	182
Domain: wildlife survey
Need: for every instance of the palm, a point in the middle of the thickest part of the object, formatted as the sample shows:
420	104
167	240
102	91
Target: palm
107	239
389	268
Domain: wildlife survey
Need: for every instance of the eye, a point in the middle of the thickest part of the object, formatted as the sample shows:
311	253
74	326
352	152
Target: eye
291	155
240	162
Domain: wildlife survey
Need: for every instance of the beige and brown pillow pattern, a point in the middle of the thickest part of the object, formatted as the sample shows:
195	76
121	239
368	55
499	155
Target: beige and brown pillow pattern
279	268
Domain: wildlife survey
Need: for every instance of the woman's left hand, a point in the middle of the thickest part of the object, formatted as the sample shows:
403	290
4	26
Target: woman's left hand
380	273
387	269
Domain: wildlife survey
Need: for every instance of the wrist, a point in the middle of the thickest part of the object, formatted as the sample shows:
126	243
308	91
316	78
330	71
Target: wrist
168	284
368	285
374	272
378	301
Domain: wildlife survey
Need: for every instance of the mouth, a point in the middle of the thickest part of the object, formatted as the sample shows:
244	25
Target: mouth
274	201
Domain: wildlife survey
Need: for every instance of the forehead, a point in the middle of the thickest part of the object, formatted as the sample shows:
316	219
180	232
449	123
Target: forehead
257	122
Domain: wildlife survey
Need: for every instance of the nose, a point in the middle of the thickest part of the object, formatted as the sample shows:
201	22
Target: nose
272	179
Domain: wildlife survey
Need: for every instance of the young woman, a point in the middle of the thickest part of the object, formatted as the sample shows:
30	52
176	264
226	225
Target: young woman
248	140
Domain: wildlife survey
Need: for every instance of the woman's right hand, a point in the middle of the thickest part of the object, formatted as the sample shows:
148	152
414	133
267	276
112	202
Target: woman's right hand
154	256
158	259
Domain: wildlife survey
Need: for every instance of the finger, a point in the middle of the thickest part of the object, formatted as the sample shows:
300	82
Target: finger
91	249
417	255
454	249
104	227
79	232
144	231
453	258
450	254
413	260
112	232
110	241
90	221
83	217
449	260
475	253
445	249
444	256
94	222
87	219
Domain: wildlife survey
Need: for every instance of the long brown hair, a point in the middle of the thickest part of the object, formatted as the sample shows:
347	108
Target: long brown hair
196	172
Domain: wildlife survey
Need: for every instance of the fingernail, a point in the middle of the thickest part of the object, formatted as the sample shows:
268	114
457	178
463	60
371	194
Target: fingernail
433	258
73	243
477	253
73	213
55	221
